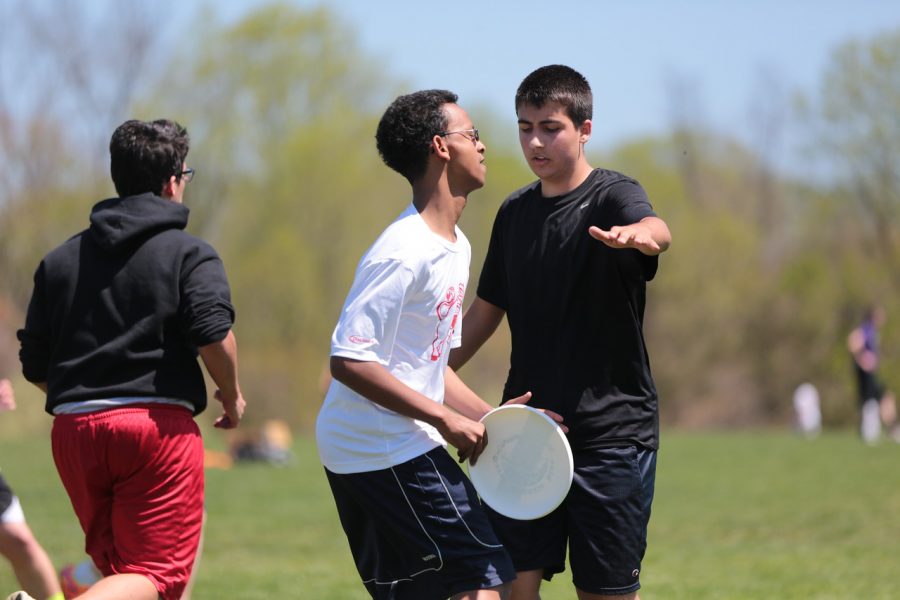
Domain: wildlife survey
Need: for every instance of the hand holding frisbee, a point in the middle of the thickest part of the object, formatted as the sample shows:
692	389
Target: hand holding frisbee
526	469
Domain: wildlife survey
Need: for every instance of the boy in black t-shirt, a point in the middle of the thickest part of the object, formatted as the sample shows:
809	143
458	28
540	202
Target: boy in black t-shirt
568	262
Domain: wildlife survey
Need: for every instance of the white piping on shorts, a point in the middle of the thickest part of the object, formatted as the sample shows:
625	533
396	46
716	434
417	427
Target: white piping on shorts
419	521
431	539
474	537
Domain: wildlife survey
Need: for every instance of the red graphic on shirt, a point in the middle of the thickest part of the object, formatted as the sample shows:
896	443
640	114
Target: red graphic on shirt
451	304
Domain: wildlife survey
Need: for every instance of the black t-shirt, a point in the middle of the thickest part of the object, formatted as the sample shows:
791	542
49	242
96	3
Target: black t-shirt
575	309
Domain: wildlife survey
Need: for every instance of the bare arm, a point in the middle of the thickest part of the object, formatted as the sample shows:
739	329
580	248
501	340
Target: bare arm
220	359
479	323
866	359
371	380
650	235
462	399
459	397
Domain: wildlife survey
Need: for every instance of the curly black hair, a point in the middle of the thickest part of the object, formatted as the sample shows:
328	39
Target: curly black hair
145	154
405	131
561	84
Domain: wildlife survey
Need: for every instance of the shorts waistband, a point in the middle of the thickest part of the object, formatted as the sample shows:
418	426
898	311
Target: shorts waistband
130	409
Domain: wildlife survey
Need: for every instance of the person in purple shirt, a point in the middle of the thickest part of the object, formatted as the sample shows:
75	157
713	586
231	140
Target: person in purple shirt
877	403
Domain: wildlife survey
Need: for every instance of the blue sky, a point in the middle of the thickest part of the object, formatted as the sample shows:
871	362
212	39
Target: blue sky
729	55
731	61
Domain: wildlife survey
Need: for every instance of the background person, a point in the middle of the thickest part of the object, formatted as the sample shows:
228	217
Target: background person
117	317
877	403
807	410
30	562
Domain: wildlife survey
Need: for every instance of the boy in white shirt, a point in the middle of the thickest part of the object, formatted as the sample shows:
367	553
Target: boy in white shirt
413	520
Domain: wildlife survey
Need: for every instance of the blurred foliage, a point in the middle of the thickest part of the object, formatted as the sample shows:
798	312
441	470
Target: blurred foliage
290	189
765	277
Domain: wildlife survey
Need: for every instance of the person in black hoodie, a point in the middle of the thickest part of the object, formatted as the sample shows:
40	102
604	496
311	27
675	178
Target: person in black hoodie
118	315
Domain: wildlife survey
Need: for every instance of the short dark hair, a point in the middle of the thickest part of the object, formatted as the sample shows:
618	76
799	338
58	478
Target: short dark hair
144	154
405	131
561	84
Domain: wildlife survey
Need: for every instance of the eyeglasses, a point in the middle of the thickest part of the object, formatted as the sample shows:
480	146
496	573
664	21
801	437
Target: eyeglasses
472	134
187	175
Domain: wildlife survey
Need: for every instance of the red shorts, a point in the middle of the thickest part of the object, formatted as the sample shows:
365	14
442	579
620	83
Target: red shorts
135	479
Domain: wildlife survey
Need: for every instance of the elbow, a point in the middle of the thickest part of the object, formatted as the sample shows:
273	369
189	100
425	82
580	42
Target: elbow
664	238
340	368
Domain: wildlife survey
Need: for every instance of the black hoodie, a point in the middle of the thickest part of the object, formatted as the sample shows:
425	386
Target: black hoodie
120	309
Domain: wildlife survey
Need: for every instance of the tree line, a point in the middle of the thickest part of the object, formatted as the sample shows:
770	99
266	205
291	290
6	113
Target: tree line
766	276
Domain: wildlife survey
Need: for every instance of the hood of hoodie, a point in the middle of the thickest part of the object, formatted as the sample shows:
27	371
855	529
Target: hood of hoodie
117	222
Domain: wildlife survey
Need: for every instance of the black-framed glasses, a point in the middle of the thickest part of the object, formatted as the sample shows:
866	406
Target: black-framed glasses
472	134
187	175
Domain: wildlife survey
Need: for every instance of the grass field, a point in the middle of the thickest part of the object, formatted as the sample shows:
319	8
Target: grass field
736	515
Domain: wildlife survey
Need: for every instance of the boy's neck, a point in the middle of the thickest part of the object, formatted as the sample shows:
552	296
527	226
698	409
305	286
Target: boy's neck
440	211
565	183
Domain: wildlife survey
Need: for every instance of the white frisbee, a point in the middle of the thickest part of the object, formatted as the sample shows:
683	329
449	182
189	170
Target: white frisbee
526	468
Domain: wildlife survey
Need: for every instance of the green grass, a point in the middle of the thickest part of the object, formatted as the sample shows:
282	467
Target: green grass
742	516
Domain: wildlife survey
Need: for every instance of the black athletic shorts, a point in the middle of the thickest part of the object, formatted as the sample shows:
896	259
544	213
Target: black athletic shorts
603	521
869	386
417	530
6	495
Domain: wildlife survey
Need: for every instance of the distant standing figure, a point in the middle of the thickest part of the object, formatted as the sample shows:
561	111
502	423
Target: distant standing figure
807	410
877	404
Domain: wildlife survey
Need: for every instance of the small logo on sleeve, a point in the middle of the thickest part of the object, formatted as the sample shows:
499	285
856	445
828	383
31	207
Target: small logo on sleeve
358	339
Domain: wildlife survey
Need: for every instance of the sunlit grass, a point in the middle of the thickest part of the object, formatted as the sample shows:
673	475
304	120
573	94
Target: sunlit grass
742	516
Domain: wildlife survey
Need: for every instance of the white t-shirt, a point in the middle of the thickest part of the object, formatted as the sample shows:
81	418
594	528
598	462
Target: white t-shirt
403	311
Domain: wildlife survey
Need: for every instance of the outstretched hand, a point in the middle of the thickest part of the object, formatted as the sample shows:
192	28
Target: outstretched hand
524	398
637	235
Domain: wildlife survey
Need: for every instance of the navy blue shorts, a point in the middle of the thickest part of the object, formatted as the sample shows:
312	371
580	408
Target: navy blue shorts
603	521
417	530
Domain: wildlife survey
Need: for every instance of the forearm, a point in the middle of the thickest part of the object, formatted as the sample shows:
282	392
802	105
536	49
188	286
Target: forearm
459	397
220	359
372	381
479	323
659	231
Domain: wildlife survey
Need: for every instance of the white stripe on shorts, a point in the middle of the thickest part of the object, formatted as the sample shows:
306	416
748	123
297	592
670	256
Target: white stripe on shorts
13	513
